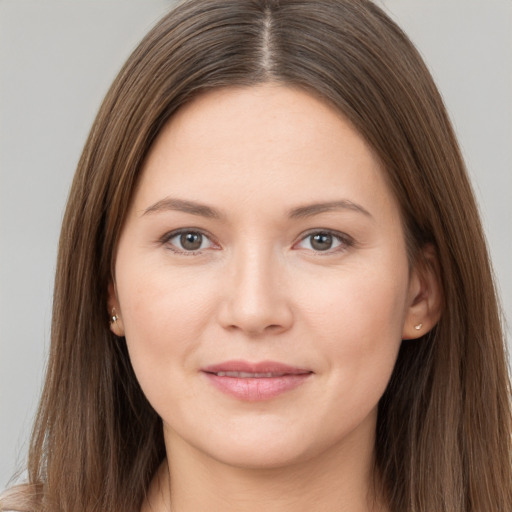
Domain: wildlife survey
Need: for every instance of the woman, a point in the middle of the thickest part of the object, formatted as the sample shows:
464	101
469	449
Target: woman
270	200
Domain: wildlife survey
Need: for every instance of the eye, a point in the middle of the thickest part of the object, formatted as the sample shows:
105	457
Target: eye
188	241
324	241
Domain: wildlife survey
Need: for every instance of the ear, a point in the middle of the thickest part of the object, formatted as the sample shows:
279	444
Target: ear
114	311
425	295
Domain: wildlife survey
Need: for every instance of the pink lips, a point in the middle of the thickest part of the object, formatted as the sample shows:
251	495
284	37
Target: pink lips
255	381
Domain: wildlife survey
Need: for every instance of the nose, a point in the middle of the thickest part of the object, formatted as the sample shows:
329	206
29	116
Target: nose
255	299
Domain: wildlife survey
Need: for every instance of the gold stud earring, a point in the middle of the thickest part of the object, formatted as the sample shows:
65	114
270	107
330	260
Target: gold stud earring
418	327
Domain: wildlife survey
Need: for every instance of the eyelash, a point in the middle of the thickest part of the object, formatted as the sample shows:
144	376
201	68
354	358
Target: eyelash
344	240
166	240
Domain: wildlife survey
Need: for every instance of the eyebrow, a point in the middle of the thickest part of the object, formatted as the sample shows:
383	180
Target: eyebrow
317	208
181	205
202	210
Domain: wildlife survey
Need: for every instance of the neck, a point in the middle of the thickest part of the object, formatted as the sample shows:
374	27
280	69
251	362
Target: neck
340	479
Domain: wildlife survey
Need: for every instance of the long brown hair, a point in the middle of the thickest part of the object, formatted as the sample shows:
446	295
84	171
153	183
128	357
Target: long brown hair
444	425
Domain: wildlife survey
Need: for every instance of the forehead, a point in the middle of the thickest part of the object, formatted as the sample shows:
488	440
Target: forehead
265	144
266	117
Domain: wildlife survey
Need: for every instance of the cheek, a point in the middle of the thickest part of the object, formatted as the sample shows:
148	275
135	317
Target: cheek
360	300
164	314
358	321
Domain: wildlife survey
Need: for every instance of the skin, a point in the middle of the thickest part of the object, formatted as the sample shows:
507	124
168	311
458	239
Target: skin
259	289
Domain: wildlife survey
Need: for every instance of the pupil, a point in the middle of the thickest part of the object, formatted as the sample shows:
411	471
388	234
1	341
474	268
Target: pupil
321	242
191	241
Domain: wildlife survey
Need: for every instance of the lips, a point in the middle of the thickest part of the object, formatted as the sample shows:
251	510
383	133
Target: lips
248	375
255	381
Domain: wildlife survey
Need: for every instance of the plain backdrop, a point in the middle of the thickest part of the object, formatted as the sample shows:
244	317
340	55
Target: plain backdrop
57	59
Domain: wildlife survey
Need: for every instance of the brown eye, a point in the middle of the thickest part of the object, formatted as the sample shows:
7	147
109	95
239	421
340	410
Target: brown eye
325	241
191	241
321	241
185	241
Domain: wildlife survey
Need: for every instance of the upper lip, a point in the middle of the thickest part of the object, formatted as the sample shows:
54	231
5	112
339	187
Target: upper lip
265	368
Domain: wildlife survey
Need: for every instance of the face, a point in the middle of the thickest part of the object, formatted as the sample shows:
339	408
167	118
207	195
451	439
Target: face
261	279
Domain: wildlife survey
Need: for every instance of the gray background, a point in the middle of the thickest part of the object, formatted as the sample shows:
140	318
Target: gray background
57	59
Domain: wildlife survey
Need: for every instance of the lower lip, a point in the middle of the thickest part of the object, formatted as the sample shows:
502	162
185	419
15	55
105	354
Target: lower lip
258	388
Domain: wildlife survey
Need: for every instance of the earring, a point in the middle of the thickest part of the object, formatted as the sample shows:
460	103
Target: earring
114	317
418	327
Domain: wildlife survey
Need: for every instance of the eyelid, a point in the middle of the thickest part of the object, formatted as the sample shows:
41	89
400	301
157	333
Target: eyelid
346	241
167	237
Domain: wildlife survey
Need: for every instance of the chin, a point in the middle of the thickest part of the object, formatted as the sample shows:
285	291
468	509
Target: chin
267	444
262	456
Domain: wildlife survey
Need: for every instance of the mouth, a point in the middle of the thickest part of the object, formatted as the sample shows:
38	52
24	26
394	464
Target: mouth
248	375
255	381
